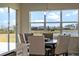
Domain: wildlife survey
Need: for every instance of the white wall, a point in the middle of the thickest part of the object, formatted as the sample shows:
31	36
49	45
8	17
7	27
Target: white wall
50	6
24	19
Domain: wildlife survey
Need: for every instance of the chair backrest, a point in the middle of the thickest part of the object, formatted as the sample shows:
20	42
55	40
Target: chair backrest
37	45
62	44
73	45
26	35
48	35
21	38
22	49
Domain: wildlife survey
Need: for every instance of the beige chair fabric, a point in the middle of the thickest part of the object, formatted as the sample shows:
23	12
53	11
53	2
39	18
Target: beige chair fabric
26	35
62	45
37	45
73	45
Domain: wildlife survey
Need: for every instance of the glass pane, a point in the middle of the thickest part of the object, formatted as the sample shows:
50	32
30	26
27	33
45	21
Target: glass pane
37	28
53	16
53	27
70	28
3	30
12	29
70	15
37	16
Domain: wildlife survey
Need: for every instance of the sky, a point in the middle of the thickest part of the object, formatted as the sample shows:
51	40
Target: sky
54	16
4	17
38	16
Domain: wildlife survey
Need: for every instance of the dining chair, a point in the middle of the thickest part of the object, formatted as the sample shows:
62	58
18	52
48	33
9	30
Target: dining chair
73	48
22	50
62	45
26	35
37	45
22	47
21	38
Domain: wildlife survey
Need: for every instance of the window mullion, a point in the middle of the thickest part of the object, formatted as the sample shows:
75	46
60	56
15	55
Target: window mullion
8	29
78	23
60	21
44	22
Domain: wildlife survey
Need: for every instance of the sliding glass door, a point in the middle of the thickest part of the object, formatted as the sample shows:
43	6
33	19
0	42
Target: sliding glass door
7	29
12	29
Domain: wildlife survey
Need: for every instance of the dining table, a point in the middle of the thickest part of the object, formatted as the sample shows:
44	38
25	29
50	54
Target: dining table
52	44
51	41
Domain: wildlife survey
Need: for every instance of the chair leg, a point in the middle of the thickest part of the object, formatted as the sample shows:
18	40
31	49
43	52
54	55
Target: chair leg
56	54
65	54
47	53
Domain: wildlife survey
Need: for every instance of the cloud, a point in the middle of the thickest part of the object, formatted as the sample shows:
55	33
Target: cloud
68	14
3	10
36	25
53	16
37	20
74	12
12	10
12	22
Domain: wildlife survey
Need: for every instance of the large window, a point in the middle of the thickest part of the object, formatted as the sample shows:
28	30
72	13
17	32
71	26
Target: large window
7	29
56	21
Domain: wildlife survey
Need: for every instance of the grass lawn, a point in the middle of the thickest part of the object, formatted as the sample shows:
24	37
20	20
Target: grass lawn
4	38
40	32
